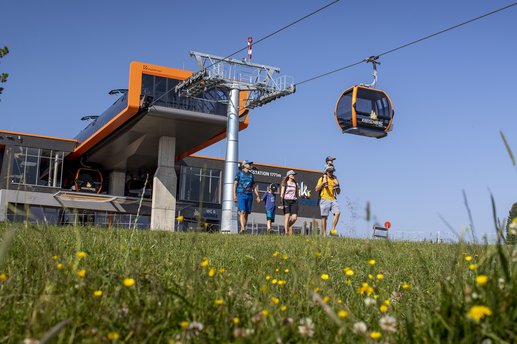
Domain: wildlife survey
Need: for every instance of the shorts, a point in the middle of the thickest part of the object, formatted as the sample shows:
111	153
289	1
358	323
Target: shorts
244	202
270	215
327	206
291	206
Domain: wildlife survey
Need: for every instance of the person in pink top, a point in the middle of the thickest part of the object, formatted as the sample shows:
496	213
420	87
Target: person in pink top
289	194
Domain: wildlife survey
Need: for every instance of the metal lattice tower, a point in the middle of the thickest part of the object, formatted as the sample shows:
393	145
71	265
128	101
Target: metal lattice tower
235	75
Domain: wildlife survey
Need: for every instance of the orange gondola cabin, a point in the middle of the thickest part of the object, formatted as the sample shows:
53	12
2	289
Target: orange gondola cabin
365	111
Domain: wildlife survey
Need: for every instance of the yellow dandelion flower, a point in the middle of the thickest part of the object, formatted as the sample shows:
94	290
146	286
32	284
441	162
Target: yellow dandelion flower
482	280
383	308
342	314
317	254
286	257
55	257
277	270
316	290
113	335
372	262
345	269
282	282
276	254
365	289
468	258
128	282
97	293
375	296
274	281
286	270
349	272
333	232
473	267
268	278
221	270
479	312
3	277
265	313
219	302
81	254
375	335
275	300
204	263
370	276
380	277
405	285
59	266
184	324
211	272
387	302
324	277
283	308
326	299
81	273
340	301
236	321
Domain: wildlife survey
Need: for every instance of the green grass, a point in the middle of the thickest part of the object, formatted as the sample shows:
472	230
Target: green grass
429	287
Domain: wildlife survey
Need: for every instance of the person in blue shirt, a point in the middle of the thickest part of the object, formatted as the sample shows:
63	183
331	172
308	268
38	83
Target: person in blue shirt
243	188
269	200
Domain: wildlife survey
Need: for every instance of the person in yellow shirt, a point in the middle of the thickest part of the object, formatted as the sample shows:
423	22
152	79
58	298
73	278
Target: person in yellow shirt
328	188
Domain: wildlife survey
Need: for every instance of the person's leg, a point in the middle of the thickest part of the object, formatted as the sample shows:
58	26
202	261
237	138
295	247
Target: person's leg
286	222
245	202
293	219
335	219
294	216
245	221
335	209
242	217
324	209
323	225
268	224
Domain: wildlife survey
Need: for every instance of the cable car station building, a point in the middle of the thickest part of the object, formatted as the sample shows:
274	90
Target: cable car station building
132	166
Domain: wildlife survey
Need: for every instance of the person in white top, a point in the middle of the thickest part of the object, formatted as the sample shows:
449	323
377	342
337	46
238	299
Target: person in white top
289	194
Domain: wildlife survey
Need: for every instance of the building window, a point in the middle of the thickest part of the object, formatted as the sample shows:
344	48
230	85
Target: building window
200	185
33	166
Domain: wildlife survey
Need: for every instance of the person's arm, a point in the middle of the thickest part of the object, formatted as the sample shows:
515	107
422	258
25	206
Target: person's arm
319	186
235	191
255	189
282	192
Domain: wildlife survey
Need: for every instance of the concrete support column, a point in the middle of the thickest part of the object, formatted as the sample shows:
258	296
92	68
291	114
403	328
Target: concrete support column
164	186
117	183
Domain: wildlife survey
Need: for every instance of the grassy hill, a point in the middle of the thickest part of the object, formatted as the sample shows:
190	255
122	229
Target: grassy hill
100	285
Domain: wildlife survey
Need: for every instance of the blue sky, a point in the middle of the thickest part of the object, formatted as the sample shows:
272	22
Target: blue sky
452	94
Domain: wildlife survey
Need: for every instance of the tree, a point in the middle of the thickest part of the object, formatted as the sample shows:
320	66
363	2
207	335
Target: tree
3	76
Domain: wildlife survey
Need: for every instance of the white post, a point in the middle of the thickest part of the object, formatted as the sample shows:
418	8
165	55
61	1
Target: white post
229	211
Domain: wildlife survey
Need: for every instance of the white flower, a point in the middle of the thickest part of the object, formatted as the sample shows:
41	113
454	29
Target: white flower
369	301
242	332
388	323
475	296
306	328
194	328
501	283
360	327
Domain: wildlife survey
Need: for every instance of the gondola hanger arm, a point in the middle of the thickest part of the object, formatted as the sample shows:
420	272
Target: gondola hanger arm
374	62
